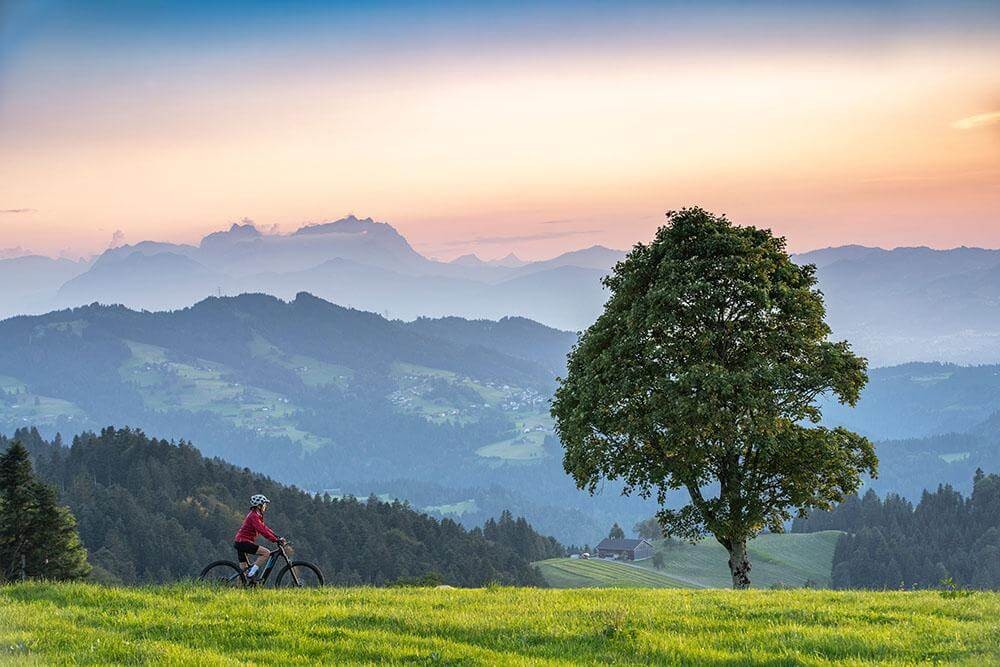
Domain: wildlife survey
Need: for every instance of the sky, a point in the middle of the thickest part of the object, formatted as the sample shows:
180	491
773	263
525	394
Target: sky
497	127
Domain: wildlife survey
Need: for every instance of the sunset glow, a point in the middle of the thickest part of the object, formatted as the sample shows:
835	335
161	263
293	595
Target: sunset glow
514	135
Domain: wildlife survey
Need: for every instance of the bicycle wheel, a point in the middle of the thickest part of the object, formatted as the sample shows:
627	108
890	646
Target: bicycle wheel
307	575
223	574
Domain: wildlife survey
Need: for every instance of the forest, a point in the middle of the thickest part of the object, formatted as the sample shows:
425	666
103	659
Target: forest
149	511
889	543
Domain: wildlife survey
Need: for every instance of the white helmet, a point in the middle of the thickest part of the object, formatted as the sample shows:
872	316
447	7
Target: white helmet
258	499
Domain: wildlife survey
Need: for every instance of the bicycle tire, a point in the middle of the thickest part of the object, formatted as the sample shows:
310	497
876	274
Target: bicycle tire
313	577
224	574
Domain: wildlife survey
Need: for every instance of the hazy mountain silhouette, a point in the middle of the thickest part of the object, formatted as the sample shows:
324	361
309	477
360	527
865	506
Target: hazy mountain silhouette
895	306
357	262
913	304
29	283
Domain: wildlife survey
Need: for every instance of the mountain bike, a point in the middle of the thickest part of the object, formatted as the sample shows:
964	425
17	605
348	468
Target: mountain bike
295	573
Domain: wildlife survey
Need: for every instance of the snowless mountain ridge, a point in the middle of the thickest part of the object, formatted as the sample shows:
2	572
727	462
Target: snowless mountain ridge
895	306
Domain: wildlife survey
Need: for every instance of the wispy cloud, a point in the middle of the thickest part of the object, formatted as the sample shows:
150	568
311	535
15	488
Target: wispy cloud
557	222
979	120
17	210
517	238
11	253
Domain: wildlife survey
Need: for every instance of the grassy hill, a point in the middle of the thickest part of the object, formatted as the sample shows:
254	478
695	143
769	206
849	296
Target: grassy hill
570	573
86	624
793	559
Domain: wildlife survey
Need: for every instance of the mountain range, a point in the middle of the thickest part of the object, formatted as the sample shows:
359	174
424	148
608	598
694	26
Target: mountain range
895	306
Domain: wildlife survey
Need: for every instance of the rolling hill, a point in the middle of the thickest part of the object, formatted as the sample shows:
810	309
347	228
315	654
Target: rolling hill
325	397
791	559
594	573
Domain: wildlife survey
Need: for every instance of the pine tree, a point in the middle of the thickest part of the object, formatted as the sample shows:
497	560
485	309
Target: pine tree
616	532
15	506
38	537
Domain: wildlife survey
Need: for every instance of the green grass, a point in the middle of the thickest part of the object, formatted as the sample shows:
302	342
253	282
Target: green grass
86	624
593	573
204	386
456	509
790	559
34	409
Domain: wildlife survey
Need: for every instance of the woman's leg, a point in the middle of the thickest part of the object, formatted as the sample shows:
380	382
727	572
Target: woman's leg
262	554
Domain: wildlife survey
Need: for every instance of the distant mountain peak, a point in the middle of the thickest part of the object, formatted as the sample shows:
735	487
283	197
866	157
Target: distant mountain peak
470	259
348	225
236	233
511	261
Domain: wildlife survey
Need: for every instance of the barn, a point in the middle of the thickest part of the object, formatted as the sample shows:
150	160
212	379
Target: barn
625	549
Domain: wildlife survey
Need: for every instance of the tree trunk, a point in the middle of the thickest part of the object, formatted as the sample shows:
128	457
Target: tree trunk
739	564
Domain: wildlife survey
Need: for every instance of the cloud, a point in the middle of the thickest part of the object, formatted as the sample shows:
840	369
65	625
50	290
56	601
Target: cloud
980	120
556	222
11	253
519	238
17	210
117	239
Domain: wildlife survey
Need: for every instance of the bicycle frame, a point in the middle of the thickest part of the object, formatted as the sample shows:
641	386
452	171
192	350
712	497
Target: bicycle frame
272	561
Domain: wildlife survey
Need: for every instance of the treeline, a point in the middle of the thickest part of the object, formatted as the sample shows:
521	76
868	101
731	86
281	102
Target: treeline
890	543
148	510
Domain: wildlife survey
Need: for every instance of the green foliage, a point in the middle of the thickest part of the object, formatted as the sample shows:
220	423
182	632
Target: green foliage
945	540
153	511
649	529
505	626
38	538
616	532
702	374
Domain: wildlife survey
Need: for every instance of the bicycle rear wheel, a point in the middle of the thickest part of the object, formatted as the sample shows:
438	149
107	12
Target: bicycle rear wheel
306	575
223	574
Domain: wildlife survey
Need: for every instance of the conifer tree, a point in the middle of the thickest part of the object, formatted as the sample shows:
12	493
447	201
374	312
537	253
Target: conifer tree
38	537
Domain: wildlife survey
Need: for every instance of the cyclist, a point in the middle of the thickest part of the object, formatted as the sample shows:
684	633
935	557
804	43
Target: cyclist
246	537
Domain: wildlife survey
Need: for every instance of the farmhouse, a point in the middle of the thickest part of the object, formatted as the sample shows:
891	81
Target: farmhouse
624	549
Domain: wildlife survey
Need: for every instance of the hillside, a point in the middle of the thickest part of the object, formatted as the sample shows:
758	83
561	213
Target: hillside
151	511
451	414
493	626
786	560
311	393
594	573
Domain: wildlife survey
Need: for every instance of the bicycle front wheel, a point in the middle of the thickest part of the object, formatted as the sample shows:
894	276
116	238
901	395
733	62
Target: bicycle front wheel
223	574
299	574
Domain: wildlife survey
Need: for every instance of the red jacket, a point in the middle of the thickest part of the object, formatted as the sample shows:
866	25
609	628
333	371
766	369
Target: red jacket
252	526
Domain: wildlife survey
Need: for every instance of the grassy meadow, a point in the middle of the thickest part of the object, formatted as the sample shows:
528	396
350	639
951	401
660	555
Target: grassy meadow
183	624
788	559
568	573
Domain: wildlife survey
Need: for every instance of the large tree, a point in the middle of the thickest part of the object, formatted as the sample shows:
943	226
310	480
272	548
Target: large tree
703	374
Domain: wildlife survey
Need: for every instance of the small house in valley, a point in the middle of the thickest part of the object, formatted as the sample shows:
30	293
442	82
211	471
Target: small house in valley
625	549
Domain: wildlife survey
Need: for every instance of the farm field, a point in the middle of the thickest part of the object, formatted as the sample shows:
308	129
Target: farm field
790	559
181	624
594	573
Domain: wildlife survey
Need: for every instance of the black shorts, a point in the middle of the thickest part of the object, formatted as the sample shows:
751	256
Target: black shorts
245	548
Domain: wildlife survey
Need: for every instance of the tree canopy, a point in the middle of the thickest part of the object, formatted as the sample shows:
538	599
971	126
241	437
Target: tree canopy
702	374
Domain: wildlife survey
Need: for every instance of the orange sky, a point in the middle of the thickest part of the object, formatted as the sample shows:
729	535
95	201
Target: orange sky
536	152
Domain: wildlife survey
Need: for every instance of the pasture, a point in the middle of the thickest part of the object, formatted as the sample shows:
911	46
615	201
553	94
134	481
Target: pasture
184	624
